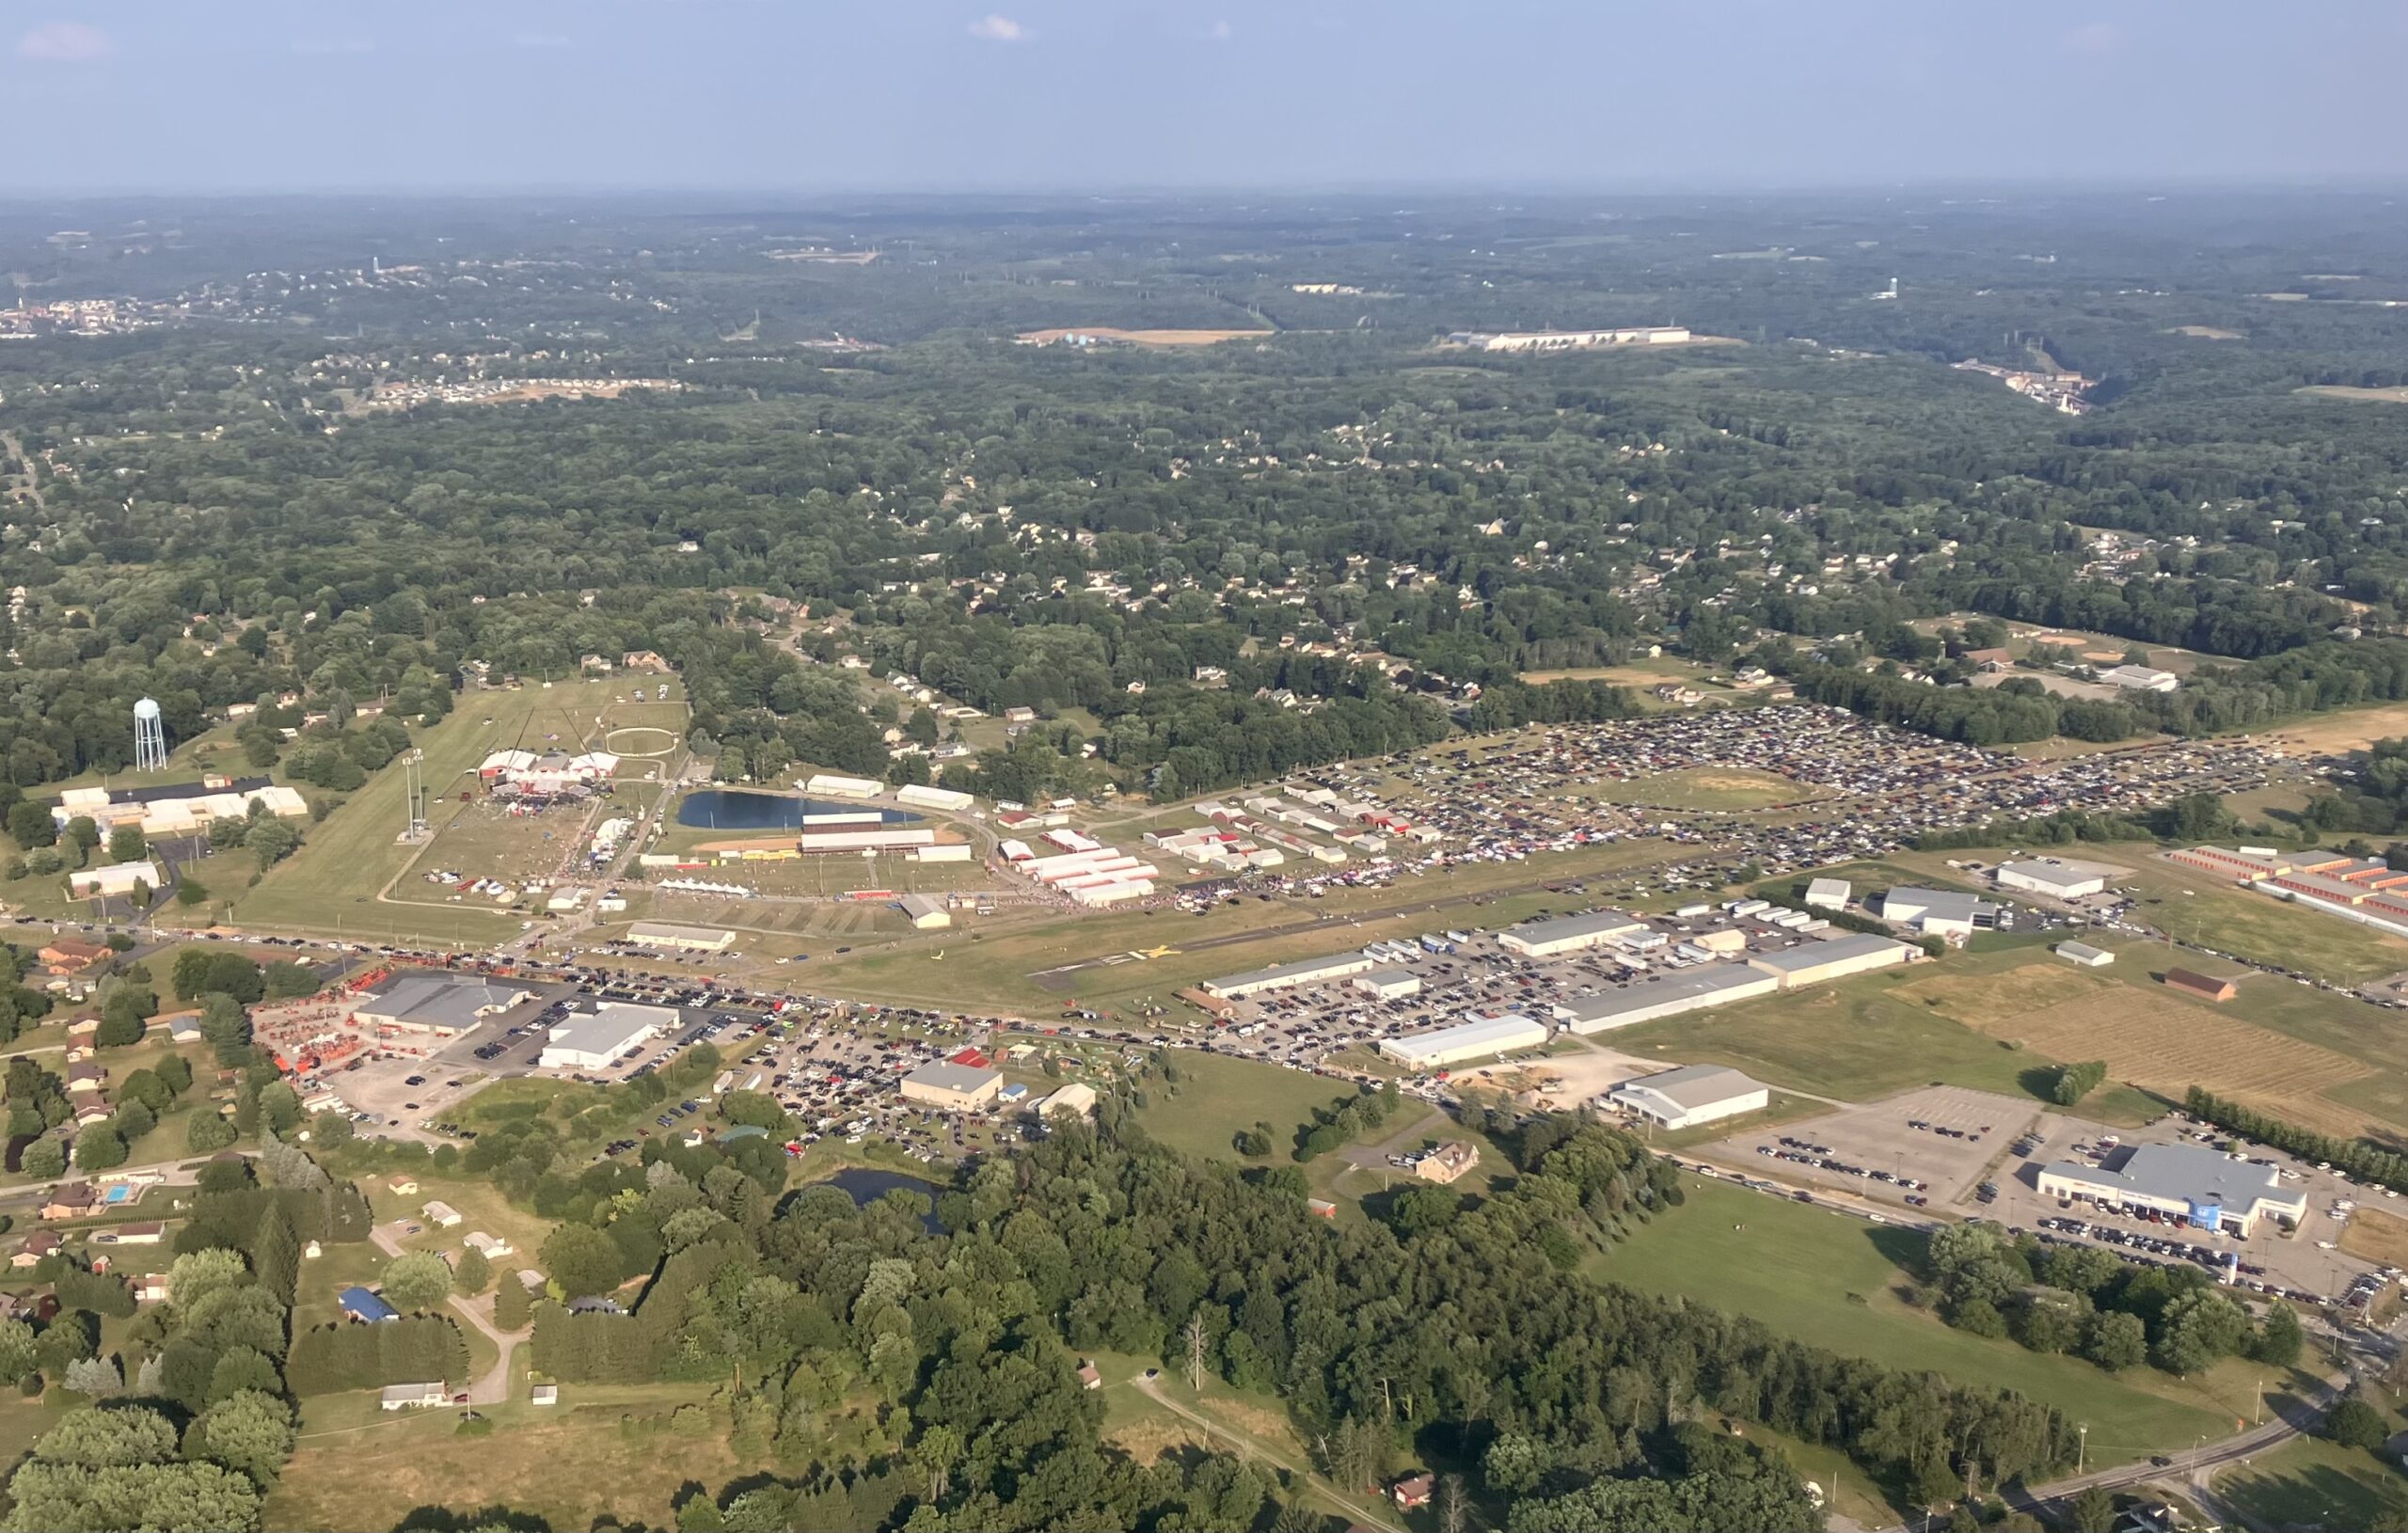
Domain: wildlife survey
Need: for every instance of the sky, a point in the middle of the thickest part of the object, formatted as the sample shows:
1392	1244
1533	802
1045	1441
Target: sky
832	96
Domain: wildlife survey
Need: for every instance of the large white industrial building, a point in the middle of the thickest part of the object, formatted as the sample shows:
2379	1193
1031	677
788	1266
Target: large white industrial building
830	785
592	1040
684	938
1556	340
1691	1095
2048	875
950	799
1287	976
1475	1039
1940	912
1569	933
116	878
1808	963
1692	989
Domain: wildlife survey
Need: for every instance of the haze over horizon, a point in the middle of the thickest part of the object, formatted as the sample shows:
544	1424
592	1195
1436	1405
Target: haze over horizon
1065	95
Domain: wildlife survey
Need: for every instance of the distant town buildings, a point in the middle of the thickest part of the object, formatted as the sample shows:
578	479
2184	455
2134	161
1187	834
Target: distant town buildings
1560	341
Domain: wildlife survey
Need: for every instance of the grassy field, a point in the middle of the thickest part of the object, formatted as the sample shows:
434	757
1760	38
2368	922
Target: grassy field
2308	1481
1216	1097
1703	788
2193	907
332	883
1833	1282
482	1207
594	1457
1856	1040
2378	1238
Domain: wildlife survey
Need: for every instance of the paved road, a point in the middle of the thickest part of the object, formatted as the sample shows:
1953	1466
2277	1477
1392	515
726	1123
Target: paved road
492	1386
2298	1416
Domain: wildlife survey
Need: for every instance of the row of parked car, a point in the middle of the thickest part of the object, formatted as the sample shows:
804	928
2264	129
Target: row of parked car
1839	1167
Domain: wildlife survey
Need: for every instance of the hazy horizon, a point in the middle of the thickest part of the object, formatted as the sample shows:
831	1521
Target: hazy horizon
1040	97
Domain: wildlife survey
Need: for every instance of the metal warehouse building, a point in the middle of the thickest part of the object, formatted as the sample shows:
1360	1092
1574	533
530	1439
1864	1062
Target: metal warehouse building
441	1004
1288	975
2047	875
1691	991
1942	912
2209	1188
956	1089
1390	984
1809	963
1474	1039
591	1041
1691	1095
689	939
1568	934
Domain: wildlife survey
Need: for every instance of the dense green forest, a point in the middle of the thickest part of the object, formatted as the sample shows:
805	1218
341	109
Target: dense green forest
1453	1331
214	507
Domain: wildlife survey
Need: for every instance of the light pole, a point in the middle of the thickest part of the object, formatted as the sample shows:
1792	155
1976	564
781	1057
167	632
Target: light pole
2081	1450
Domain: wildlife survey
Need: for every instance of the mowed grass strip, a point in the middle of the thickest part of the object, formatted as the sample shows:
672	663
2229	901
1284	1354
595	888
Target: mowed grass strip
1832	1281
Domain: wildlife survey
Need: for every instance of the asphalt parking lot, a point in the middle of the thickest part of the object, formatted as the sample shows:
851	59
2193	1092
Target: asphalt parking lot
1936	1144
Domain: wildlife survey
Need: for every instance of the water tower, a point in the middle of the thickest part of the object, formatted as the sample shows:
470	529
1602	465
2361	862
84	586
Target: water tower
150	738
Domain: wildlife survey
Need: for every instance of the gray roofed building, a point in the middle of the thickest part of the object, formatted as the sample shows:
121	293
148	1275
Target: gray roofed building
1568	933
1810	959
2084	955
1685	990
1693	1094
2205	1186
439	1003
1283	976
1939	910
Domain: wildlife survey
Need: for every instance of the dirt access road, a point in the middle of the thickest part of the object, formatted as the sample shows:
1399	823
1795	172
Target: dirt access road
492	1386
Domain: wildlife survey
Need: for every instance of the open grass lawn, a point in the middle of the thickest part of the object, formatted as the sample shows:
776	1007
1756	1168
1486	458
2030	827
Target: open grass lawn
1832	1281
2374	1235
1856	1040
598	1455
22	1420
482	1207
2193	907
2308	1480
333	882
1849	1491
1217	1097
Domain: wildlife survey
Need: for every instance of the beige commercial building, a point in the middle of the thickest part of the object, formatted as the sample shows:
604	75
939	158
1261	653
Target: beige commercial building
956	1088
1809	963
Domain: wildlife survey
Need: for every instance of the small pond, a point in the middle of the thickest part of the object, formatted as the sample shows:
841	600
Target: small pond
865	1186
